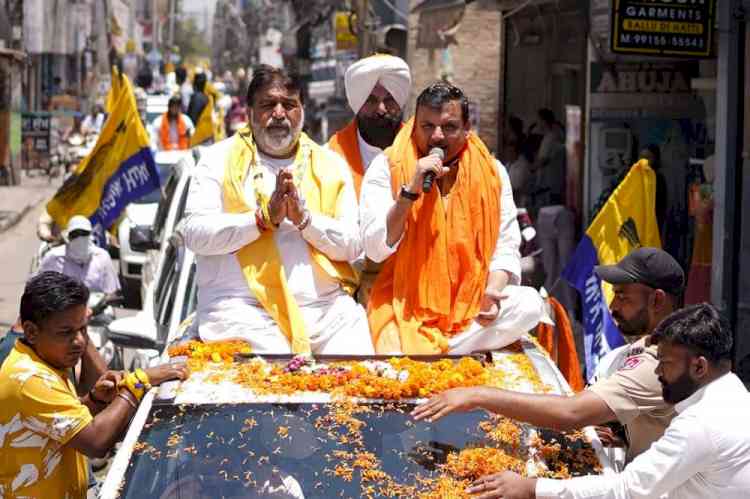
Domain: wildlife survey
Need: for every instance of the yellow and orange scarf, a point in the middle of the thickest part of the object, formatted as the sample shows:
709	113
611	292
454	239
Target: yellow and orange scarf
260	260
346	143
432	287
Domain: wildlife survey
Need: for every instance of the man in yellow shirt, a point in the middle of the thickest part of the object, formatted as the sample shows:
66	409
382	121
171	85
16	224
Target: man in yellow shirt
46	430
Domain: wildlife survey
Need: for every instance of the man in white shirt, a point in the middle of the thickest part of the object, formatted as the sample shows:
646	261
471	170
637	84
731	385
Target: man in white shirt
377	88
450	281
81	259
270	220
705	452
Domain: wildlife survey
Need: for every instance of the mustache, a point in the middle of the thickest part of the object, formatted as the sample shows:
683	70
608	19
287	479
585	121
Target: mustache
273	123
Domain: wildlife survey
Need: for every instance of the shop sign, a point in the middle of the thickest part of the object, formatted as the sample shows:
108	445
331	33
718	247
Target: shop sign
673	28
35	127
643	90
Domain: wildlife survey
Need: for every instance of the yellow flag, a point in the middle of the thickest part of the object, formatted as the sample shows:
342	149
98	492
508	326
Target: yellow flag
204	129
114	91
118	170
627	220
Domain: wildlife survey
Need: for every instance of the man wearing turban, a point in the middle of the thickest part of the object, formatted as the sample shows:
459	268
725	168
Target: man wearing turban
377	88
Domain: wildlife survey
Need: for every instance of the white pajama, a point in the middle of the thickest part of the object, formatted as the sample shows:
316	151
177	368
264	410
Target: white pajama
523	307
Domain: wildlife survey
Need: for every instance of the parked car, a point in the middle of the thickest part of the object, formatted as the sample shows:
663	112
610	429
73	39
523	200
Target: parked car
141	213
140	339
151	240
214	437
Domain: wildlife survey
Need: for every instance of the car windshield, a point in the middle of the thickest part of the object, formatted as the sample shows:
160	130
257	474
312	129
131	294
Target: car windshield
322	450
284	450
164	169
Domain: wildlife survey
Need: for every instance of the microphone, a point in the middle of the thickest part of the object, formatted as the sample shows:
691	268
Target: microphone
429	177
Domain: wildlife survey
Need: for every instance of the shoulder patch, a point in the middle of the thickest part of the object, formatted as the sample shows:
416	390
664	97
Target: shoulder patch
631	363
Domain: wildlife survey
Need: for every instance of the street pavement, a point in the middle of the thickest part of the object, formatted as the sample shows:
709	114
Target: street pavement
20	207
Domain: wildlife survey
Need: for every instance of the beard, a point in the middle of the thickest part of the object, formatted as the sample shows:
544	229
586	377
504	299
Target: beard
379	131
636	326
276	137
679	390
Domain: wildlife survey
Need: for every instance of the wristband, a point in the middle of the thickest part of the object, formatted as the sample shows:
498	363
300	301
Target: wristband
143	378
407	194
133	385
305	221
127	399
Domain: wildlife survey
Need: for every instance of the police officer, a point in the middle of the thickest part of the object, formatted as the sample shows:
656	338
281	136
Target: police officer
648	284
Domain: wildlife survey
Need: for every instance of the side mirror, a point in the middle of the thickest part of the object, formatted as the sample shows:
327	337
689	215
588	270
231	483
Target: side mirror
142	239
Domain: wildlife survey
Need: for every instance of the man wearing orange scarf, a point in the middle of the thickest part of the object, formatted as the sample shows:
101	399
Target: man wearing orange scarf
449	281
377	88
172	130
270	219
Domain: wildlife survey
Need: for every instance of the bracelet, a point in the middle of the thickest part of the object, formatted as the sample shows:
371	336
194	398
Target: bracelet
143	378
94	399
127	399
305	221
260	221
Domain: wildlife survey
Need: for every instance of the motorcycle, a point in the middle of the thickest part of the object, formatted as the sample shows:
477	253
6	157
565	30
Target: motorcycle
102	314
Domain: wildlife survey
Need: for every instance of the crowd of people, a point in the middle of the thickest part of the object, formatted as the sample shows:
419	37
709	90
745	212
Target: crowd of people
396	237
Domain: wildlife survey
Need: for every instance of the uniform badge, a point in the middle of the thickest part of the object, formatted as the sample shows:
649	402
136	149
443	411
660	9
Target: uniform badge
631	363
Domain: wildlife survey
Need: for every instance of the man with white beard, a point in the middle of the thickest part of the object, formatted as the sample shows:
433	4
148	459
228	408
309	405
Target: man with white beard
270	220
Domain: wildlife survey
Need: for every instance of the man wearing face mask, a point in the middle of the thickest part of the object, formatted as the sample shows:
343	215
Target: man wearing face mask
270	218
81	259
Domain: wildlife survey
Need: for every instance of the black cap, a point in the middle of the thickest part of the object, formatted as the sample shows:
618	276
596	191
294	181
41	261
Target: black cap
652	267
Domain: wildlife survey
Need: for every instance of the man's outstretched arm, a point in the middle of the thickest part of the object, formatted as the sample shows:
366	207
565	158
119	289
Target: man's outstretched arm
548	411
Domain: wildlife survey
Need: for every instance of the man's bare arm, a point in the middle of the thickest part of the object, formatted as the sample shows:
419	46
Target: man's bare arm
548	411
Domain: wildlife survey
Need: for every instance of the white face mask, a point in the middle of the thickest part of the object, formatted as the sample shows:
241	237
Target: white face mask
79	249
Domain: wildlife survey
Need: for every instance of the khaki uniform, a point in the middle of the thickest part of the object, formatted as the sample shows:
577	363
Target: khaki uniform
634	394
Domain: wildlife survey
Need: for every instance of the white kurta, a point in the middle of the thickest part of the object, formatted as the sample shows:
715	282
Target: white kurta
226	306
520	311
705	453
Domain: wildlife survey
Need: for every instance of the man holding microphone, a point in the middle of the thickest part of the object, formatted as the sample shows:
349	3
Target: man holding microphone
437	208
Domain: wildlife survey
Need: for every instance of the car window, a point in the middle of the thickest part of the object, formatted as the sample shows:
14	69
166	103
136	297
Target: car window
191	298
163	210
163	169
167	281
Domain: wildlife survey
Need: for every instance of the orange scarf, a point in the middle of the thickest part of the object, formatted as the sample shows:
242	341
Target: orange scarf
345	143
564	354
432	287
166	142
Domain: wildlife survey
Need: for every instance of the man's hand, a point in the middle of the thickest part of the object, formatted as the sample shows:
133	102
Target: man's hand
105	388
505	485
608	437
424	165
295	208
454	400
277	206
167	372
490	307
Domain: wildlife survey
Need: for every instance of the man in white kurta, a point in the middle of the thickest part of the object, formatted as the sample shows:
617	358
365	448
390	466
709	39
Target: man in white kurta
227	308
520	308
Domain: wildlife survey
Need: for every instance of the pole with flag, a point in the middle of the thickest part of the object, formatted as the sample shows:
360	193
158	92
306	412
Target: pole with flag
627	221
119	169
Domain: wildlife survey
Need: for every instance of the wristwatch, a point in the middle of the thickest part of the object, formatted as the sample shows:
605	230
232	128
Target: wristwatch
407	194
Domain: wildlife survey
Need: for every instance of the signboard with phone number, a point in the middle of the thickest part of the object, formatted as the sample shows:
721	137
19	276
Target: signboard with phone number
671	28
